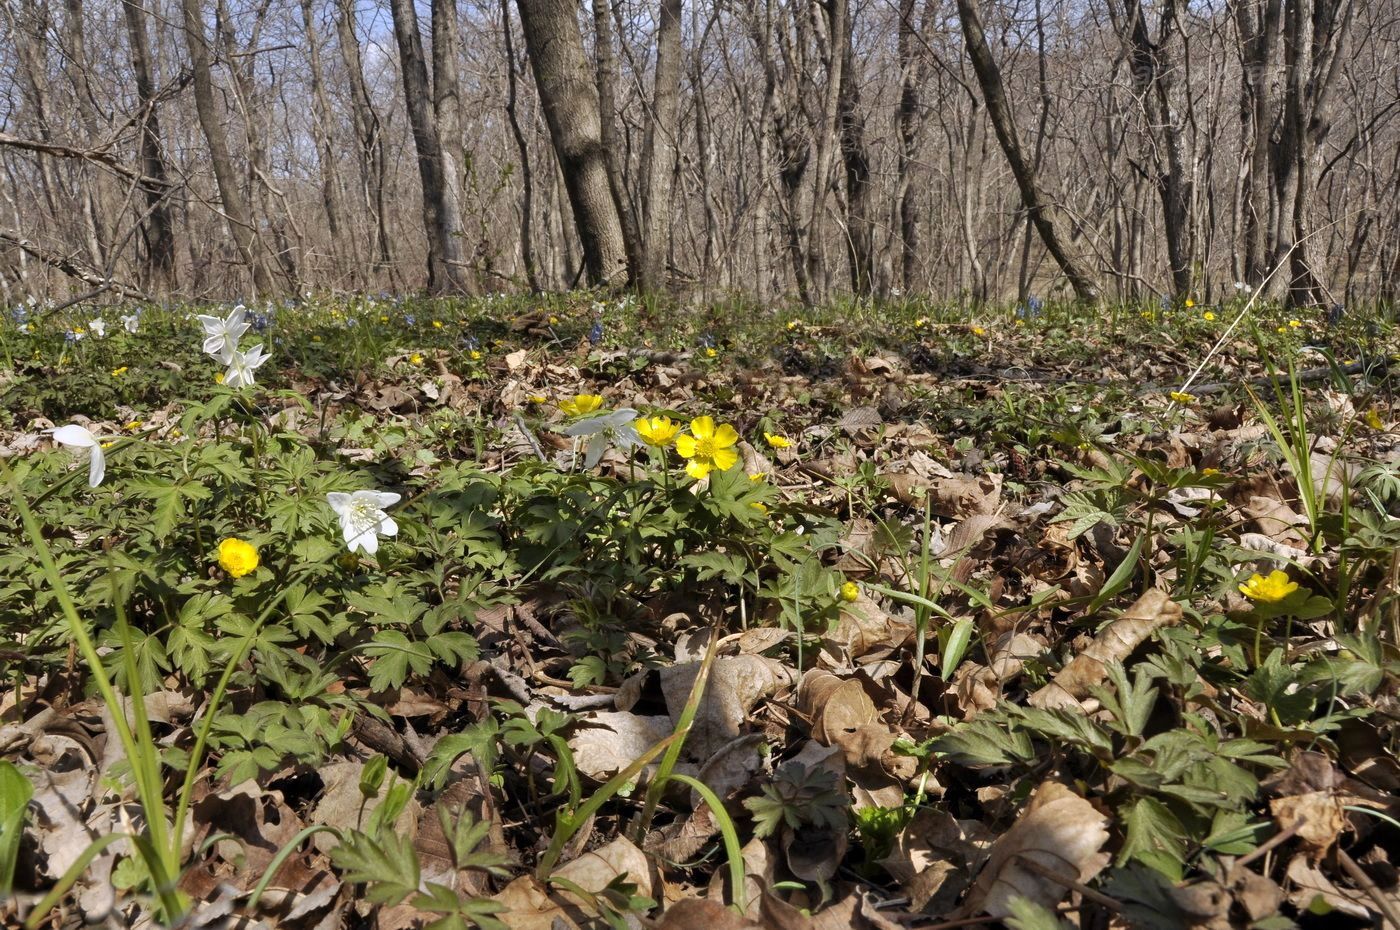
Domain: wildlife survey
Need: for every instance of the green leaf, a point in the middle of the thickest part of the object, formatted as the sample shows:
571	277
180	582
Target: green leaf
15	793
388	866
1028	915
1155	837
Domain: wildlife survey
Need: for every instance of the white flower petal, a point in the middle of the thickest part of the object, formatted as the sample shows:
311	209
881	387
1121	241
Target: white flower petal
97	466
75	435
338	501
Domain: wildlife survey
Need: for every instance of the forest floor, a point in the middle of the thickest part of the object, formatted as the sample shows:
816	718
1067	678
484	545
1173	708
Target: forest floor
576	611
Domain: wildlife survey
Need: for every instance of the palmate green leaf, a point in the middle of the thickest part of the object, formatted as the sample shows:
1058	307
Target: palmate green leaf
387	866
726	566
454	648
1028	915
988	739
395	657
169	497
1130	702
478	740
1155	837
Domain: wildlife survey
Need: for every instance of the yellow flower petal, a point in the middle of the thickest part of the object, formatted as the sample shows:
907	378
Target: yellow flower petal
725	459
685	445
725	436
703	427
697	469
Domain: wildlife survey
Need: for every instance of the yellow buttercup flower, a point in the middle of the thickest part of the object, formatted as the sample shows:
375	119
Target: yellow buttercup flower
1295	324
133	425
538	399
711	352
1208	316
1190	303
118	372
1209	472
777	441
757	476
708	447
792	325
1373	420
1181	397
218	377
415	359
656	431
1283	329
554	321
437	324
978	331
850	592
475	355
1268	590
581	404
383	319
761	508
237	557
921	322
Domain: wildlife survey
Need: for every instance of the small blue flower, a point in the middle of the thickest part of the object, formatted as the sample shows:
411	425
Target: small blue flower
595	335
1036	306
260	321
20	313
471	343
410	319
707	341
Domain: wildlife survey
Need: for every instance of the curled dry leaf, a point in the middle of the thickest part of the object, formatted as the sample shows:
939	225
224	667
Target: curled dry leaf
611	740
1059	831
736	684
1321	816
1117	641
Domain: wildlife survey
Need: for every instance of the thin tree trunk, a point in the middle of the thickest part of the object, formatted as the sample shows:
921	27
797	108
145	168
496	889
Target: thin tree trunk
860	220
659	147
569	96
605	73
234	201
444	245
369	135
447	109
325	145
527	181
1042	212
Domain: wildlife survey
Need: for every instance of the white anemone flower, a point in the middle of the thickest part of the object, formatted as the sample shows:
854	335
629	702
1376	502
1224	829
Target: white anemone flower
221	335
80	437
98	327
130	322
615	428
362	518
241	366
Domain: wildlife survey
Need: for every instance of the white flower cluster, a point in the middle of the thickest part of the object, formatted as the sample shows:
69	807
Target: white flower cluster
221	335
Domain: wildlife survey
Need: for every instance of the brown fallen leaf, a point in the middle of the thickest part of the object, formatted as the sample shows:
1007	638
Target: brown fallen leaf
534	905
1114	644
1059	831
1322	819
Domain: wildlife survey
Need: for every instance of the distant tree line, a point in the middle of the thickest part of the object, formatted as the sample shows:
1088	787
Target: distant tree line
972	149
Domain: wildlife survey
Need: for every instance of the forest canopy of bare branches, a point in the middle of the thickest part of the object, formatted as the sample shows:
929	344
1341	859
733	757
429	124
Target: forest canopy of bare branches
974	149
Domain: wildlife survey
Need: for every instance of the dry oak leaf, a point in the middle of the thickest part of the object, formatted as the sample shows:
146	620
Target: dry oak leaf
736	684
530	905
1321	815
1062	833
1114	644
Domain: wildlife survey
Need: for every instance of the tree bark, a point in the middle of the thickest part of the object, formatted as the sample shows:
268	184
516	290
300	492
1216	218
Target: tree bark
569	97
231	194
527	181
659	147
1042	212
860	221
369	136
440	221
447	110
605	74
325	145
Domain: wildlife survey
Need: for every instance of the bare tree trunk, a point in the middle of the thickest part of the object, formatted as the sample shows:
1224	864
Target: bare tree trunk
569	96
1152	79
605	73
909	125
527	181
828	134
659	147
447	110
100	202
1042	212
444	244
860	221
235	202
369	134
325	145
